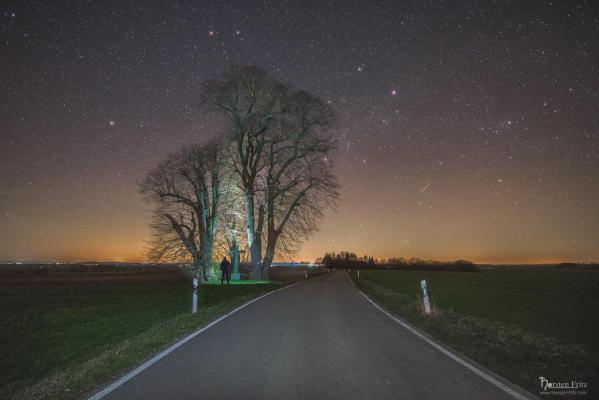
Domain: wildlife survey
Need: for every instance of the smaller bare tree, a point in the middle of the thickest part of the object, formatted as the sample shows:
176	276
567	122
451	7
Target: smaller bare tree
173	230
185	190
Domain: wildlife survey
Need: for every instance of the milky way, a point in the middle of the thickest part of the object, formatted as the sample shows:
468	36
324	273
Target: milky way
465	129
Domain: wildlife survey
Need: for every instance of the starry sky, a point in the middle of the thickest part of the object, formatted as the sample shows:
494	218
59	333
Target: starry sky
466	129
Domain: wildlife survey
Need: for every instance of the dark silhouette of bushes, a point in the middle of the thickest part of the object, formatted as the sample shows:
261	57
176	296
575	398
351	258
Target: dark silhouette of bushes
349	260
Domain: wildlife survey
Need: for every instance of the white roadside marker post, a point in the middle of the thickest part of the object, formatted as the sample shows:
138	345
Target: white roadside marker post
194	297
425	298
358	273
306	272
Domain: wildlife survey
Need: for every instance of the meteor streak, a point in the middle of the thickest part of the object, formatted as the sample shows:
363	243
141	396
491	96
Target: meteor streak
425	187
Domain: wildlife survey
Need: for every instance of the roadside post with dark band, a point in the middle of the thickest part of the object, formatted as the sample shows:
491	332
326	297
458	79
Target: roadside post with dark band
194	296
425	298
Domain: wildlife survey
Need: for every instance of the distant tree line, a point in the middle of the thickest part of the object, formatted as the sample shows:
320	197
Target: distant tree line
349	260
346	259
578	264
260	186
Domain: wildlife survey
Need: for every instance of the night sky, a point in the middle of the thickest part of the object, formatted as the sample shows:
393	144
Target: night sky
466	129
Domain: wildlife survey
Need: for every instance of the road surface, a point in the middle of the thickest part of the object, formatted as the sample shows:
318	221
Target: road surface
320	339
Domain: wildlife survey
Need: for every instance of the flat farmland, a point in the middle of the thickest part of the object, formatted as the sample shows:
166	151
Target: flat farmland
65	332
520	322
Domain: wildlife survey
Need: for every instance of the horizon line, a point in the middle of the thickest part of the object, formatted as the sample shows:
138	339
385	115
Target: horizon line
108	261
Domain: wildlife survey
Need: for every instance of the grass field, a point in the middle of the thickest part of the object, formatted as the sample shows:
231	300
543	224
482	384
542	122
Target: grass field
519	323
60	339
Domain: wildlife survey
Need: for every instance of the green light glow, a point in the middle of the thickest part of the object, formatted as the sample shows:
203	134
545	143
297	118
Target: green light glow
244	282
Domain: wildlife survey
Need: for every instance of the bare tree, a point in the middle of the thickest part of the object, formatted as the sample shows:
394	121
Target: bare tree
300	181
186	190
279	153
173	239
252	102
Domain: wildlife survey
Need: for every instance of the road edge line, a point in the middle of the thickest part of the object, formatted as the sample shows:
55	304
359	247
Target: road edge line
484	375
136	371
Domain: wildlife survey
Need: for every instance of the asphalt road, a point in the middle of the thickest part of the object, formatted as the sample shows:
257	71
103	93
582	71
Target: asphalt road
320	339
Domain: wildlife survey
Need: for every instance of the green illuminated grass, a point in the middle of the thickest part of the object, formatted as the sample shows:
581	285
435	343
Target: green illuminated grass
60	340
520	323
242	282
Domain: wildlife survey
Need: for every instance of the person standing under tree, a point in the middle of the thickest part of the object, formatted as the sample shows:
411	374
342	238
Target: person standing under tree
225	269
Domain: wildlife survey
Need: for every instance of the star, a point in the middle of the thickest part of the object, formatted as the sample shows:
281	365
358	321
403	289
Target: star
394	92
359	69
211	33
111	123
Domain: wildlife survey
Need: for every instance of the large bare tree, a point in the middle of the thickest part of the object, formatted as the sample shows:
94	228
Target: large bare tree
252	102
300	181
186	191
280	147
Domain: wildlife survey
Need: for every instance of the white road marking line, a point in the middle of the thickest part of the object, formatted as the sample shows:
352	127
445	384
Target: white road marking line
515	394
172	348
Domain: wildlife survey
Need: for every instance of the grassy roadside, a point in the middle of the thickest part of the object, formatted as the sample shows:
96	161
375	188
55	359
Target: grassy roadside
60	340
520	324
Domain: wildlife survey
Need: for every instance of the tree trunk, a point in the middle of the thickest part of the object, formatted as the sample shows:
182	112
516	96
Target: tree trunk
208	250
198	265
272	235
215	184
255	251
268	257
256	262
259	228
